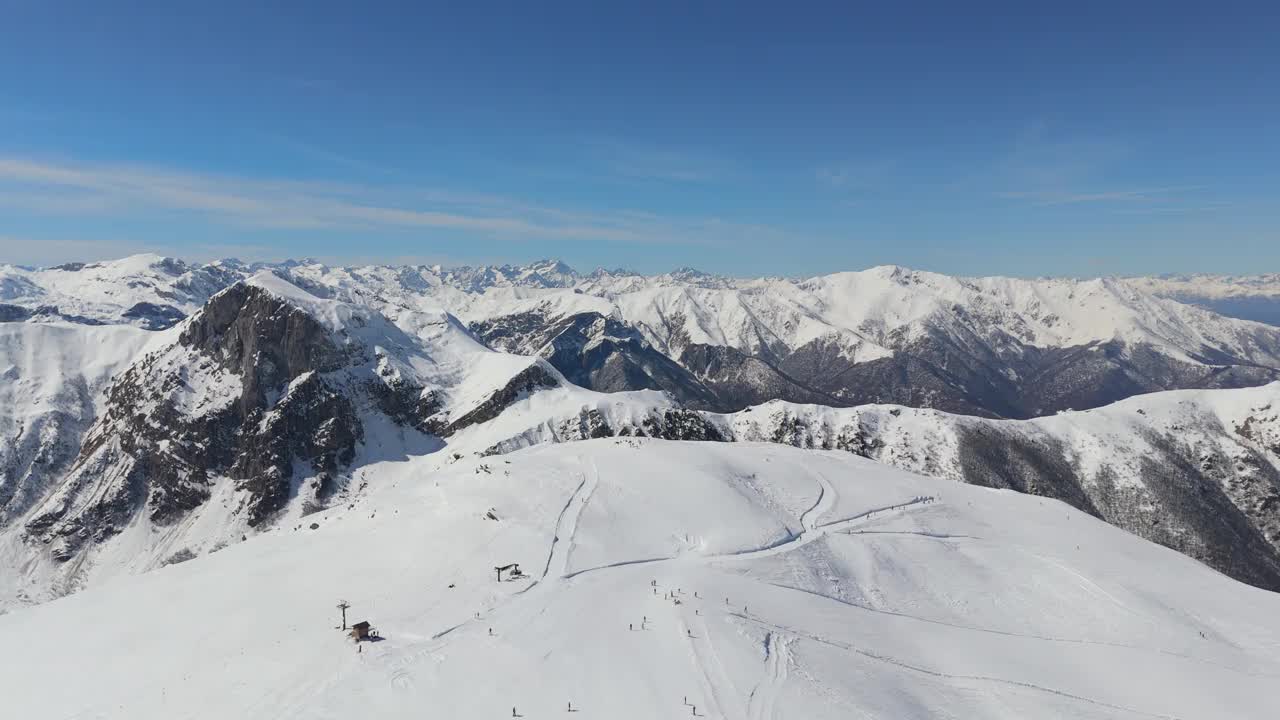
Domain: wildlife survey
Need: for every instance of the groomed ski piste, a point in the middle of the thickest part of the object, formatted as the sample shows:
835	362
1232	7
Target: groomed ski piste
664	580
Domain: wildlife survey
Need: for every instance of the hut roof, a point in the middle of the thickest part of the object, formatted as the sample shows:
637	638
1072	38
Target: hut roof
362	625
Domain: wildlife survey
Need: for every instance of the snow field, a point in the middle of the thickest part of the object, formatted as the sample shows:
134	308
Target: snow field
853	590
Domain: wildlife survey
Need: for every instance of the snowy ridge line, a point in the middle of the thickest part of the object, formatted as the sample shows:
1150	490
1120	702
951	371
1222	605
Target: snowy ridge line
1025	636
950	676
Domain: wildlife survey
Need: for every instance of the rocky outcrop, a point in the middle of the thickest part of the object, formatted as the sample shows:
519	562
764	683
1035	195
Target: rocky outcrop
250	392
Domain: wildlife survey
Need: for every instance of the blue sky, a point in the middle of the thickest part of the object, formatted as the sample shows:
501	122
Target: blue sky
743	138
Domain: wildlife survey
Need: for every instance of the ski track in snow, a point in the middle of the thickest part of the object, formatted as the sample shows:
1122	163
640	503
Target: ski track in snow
700	620
1085	583
826	500
817	532
764	697
566	527
717	684
948	676
1027	636
727	700
793	542
910	534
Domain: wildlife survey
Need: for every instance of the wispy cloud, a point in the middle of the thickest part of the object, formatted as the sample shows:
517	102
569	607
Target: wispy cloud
1044	169
75	188
1054	197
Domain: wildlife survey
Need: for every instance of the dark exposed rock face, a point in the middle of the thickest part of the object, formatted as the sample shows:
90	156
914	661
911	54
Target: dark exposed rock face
589	423
167	434
968	368
407	403
964	375
267	342
14	313
1184	491
676	424
1181	503
255	391
152	316
925	376
596	352
527	381
739	380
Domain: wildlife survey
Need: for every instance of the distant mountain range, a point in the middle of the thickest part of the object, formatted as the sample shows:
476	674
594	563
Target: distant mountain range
1249	297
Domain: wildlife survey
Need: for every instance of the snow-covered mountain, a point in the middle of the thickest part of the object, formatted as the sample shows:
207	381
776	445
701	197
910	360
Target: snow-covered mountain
52	379
252	410
1196	471
662	580
990	346
149	291
279	385
1251	297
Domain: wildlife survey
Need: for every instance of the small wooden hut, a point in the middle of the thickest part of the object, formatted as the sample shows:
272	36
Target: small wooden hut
360	631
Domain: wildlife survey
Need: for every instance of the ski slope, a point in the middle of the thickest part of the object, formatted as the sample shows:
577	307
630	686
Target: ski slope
811	585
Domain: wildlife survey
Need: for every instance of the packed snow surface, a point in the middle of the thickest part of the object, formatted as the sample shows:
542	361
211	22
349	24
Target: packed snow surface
665	580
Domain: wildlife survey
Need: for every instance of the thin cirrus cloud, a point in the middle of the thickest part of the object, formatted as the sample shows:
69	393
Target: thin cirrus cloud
292	204
1047	198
